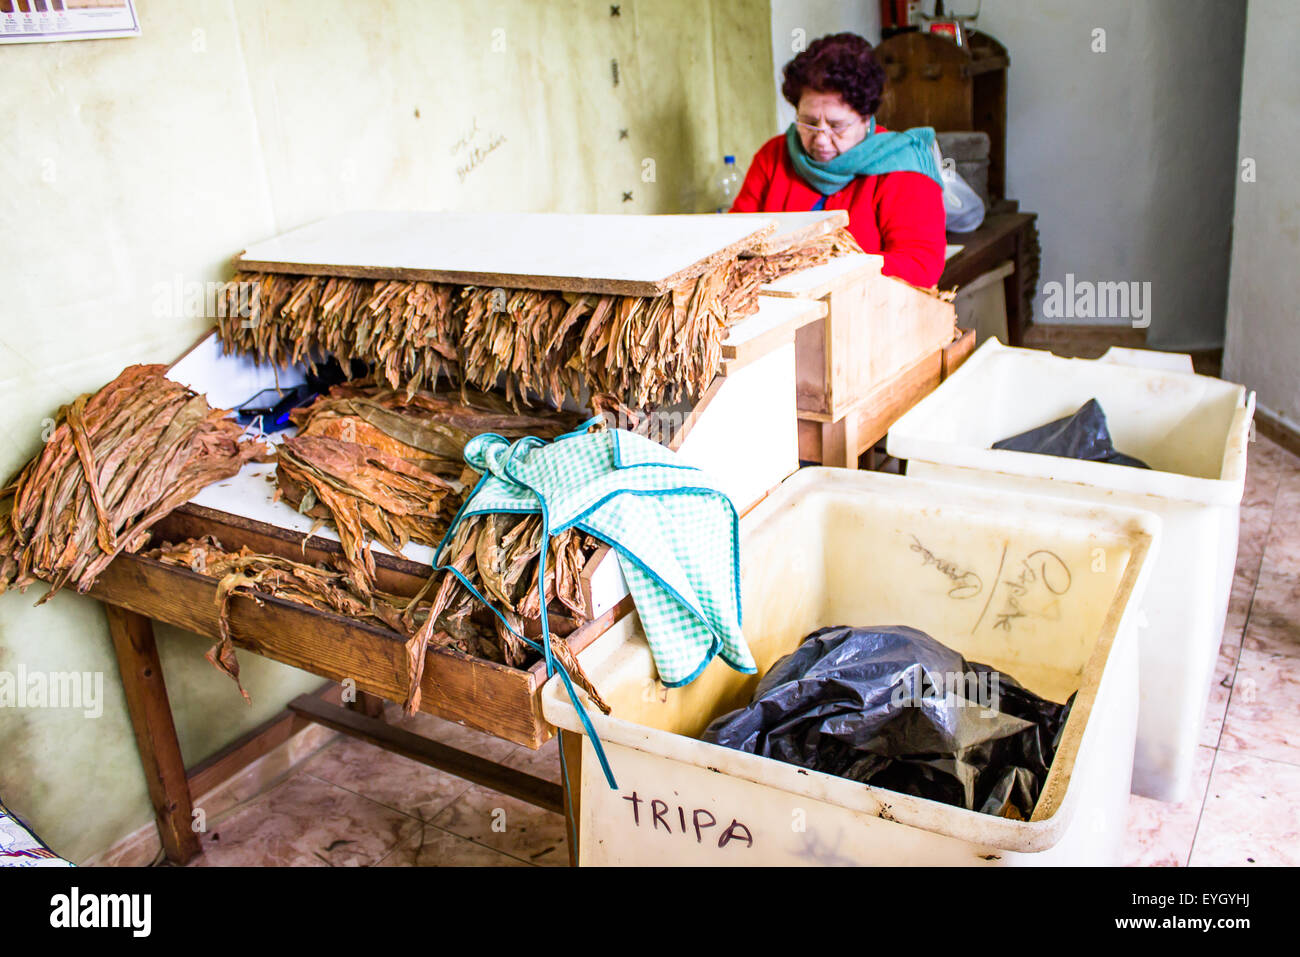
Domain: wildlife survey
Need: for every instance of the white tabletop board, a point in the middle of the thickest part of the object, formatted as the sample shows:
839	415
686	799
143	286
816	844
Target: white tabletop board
795	228
816	281
627	255
777	320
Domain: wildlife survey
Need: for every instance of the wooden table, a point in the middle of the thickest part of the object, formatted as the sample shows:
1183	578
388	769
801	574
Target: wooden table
136	591
1003	236
491	697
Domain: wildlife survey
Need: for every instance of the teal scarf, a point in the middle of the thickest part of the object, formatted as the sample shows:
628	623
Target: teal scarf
909	151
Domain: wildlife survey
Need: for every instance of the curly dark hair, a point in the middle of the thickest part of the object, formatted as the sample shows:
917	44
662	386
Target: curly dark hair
839	63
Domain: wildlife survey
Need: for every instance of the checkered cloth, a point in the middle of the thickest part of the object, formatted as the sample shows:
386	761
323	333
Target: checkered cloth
674	532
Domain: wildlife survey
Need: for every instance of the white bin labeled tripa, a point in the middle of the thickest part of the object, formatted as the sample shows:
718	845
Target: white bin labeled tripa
1034	587
1193	432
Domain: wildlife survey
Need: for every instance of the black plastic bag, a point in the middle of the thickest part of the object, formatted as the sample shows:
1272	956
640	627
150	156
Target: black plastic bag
894	708
1083	435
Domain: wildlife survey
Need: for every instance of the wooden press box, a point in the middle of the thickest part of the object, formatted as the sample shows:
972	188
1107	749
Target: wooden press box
742	430
876	327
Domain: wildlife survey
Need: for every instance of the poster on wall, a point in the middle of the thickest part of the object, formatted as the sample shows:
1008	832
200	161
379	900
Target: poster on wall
41	21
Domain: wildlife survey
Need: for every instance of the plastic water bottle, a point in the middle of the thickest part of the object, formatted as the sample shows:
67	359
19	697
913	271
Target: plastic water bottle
726	185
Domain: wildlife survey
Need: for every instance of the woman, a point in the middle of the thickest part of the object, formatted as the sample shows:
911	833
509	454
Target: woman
834	156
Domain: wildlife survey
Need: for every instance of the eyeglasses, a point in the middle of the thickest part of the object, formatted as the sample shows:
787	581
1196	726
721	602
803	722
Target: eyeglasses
835	130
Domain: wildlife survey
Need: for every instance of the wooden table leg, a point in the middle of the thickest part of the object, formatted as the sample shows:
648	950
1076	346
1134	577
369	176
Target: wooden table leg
572	745
155	731
1027	255
1014	293
837	444
371	705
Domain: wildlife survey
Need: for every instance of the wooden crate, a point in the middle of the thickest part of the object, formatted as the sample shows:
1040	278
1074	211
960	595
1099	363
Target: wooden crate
491	697
875	328
839	443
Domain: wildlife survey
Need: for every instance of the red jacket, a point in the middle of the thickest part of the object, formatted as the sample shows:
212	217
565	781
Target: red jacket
899	215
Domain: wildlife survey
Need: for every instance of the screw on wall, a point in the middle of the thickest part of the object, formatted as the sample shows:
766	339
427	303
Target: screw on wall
622	134
614	11
627	196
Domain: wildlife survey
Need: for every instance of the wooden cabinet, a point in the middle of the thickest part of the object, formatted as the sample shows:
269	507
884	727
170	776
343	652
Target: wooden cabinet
934	82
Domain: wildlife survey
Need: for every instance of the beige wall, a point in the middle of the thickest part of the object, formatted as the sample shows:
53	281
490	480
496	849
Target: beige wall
796	23
130	166
1263	346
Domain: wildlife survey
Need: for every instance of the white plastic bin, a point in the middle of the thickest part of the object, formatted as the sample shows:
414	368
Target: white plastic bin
1033	587
1192	430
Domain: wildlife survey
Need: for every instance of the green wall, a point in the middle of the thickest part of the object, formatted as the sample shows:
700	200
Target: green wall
135	165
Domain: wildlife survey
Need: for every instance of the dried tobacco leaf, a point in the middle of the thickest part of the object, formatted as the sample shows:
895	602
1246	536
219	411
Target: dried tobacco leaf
534	344
427	432
363	490
331	589
423	426
813	252
116	463
252	574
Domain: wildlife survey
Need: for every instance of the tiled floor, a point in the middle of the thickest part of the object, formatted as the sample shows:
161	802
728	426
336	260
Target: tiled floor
353	804
1245	801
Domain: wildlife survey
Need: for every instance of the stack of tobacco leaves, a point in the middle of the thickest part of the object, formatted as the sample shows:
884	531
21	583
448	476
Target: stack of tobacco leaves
537	344
327	589
363	490
408	330
814	252
116	463
425	428
646	351
378	461
498	554
381	464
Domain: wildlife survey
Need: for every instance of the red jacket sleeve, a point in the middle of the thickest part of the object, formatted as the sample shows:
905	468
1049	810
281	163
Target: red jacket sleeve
910	216
757	180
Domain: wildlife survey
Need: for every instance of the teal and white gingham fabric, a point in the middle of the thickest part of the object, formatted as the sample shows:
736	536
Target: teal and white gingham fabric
674	531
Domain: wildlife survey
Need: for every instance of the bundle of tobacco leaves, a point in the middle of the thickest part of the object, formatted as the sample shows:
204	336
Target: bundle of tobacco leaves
331	589
498	554
365	491
378	461
425	428
387	434
408	330
543	345
116	463
814	252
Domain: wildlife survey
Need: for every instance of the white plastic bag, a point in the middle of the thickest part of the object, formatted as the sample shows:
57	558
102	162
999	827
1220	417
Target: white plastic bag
963	209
